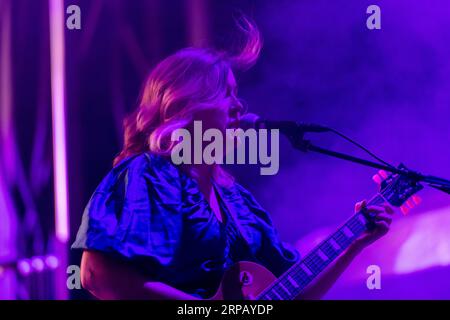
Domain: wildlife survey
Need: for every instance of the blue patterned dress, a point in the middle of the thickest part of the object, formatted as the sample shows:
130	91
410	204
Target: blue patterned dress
150	213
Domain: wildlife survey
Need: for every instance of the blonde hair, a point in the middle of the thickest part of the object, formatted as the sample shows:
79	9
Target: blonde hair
184	83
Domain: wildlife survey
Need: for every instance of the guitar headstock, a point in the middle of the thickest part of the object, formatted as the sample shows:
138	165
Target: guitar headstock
398	190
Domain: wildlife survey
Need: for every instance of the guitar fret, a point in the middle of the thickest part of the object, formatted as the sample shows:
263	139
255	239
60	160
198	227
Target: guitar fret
334	244
360	229
317	260
292	282
301	277
362	220
305	268
340	239
289	287
313	263
354	226
322	255
328	249
284	288
378	199
359	224
330	254
267	297
278	295
347	232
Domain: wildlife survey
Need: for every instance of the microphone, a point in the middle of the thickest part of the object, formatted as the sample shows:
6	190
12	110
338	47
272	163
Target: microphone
251	120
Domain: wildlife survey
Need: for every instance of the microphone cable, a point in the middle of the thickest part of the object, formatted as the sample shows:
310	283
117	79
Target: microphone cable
343	136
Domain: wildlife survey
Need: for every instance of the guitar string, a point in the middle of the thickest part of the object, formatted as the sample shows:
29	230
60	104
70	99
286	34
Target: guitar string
313	258
313	261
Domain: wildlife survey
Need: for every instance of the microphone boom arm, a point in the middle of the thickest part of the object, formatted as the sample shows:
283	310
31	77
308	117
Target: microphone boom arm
298	142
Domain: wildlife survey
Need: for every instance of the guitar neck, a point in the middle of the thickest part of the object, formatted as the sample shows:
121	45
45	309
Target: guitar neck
293	281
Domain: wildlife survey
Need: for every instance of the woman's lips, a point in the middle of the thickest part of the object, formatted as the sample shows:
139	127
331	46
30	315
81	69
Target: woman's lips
233	124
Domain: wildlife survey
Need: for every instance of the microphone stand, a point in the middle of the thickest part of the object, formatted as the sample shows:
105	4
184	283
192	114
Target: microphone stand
296	137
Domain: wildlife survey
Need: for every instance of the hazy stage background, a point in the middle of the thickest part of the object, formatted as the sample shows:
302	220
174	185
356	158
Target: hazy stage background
389	89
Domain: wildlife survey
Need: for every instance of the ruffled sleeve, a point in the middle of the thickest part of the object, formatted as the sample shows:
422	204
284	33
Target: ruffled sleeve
135	213
274	254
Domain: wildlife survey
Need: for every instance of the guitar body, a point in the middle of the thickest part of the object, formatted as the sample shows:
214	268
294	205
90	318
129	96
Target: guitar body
244	281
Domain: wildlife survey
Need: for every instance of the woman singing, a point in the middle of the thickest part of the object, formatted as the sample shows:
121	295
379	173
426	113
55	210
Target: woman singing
155	230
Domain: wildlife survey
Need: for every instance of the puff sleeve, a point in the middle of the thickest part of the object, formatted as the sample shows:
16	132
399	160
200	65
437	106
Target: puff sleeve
135	213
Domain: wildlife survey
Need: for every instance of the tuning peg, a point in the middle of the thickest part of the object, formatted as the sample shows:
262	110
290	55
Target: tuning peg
404	209
410	204
416	199
383	174
377	178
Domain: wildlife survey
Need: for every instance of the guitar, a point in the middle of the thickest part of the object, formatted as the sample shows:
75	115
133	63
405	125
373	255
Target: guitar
249	279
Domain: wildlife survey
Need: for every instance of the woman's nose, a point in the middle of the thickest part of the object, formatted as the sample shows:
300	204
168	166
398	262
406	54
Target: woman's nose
236	109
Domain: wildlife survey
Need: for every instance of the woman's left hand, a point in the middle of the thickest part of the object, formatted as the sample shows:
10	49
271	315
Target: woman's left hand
382	222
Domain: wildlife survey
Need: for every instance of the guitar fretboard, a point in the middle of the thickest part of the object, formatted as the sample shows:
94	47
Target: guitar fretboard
293	281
